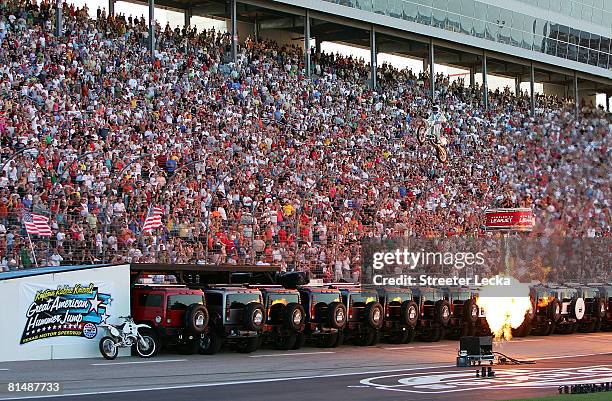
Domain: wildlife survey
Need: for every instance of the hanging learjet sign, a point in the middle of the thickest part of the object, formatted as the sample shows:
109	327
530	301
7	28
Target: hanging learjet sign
518	219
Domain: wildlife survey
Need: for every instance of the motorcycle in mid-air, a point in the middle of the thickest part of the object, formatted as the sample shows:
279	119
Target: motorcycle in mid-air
425	133
127	334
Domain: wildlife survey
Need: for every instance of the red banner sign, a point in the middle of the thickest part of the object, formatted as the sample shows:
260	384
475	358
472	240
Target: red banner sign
520	219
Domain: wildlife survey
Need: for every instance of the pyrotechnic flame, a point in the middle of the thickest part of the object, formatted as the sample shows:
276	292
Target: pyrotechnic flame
544	301
504	313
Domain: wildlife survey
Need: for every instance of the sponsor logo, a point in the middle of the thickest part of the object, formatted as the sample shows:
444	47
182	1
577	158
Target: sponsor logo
508	219
65	311
90	330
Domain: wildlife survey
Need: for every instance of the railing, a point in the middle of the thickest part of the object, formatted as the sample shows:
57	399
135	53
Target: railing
333	253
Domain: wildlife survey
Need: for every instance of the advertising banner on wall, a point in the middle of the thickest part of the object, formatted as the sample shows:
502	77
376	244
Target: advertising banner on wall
518	219
56	312
63	313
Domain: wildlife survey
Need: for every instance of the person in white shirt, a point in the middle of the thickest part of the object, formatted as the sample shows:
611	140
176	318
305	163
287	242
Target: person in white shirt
112	242
276	255
56	258
61	236
12	171
119	208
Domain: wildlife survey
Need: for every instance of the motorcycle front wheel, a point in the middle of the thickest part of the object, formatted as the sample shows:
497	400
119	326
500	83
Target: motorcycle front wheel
108	348
146	347
421	133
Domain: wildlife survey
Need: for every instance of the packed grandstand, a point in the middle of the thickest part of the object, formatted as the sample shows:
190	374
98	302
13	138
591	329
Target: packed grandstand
254	163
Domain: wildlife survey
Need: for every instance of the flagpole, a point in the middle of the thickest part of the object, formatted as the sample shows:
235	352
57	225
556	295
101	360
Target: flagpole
145	220
142	230
49	240
32	247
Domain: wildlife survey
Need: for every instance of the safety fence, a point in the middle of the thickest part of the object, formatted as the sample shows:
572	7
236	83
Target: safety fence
109	237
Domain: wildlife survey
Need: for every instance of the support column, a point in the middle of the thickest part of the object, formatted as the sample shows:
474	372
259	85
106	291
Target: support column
111	7
532	89
188	14
608	102
517	86
234	30
432	72
58	17
426	64
472	77
152	27
307	42
485	86
256	29
576	98
373	61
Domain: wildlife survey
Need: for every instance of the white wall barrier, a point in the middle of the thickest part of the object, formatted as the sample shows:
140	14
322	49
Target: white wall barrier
55	315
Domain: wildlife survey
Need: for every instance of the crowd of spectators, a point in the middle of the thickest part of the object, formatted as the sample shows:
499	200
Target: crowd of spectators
255	163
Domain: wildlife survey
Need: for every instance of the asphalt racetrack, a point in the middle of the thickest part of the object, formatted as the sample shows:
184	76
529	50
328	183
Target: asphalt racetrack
416	371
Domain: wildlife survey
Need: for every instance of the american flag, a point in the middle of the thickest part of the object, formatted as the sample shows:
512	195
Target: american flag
153	220
36	224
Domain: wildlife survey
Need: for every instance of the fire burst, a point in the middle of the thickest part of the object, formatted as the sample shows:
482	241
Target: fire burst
545	301
504	313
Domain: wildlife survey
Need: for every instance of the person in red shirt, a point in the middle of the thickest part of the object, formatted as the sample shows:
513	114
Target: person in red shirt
4	210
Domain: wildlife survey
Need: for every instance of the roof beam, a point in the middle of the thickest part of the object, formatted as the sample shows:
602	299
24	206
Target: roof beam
346	36
408	48
216	10
282	23
172	5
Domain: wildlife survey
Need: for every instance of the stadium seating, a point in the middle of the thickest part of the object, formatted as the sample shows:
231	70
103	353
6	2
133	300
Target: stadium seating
253	162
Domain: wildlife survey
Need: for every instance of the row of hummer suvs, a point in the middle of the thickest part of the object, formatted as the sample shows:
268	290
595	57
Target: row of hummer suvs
567	309
243	317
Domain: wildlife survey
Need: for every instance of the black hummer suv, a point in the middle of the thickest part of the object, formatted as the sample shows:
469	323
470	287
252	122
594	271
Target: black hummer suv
401	314
547	310
572	309
177	315
465	315
237	317
365	315
284	326
594	308
435	313
605	292
325	315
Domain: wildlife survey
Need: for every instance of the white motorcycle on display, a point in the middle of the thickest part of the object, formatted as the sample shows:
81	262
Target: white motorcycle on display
127	334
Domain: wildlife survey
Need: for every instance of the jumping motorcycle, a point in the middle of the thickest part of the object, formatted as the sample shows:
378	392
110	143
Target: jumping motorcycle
425	133
125	335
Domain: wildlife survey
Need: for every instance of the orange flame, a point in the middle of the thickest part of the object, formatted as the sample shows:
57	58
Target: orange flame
504	313
545	301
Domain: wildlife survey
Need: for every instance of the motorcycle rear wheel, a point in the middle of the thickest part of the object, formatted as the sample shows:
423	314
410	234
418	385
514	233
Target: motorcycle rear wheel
108	348
441	153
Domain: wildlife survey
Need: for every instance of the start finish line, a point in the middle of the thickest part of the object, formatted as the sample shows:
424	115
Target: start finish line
449	381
